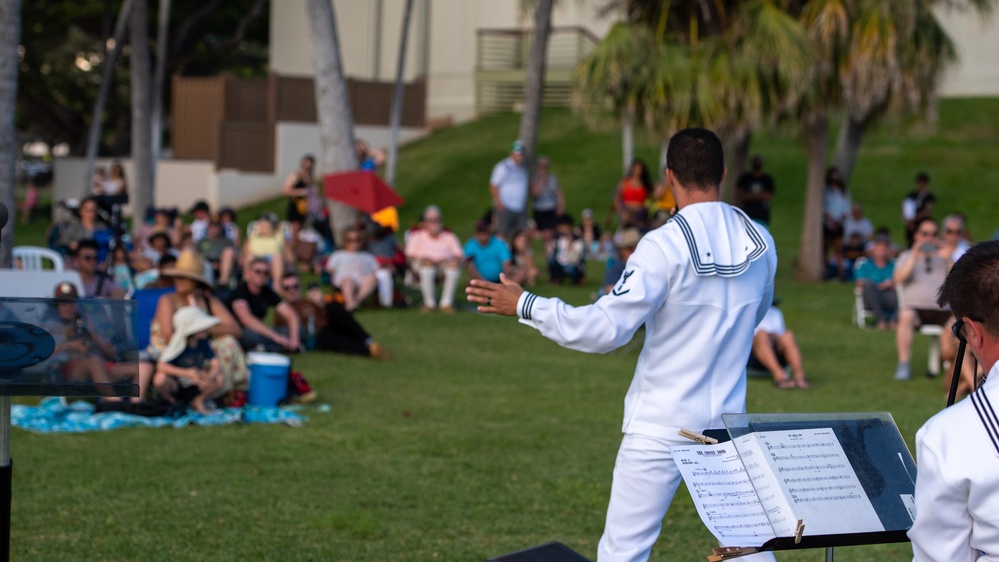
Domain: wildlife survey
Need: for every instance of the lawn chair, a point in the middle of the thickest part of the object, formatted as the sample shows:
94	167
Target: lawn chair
933	331
33	258
860	312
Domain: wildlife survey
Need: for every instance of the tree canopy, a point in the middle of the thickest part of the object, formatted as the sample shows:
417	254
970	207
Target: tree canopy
63	46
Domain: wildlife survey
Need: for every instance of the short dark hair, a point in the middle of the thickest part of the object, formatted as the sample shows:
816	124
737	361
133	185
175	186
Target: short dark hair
696	158
290	274
565	219
972	286
923	176
87	243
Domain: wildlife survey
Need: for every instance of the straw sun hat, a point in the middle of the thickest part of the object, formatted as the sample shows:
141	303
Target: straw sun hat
187	321
190	265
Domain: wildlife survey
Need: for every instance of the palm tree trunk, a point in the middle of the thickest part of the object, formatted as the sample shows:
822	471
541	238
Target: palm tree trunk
738	155
809	265
627	140
107	77
531	118
336	121
162	40
851	133
10	36
663	151
396	117
141	187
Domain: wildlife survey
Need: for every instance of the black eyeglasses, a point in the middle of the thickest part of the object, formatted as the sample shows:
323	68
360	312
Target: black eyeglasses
953	231
291	287
89	257
262	271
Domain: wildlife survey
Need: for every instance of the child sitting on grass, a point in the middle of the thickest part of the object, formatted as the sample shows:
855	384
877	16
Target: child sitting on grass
187	368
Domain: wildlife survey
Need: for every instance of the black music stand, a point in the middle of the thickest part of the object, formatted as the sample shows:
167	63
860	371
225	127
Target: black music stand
876	452
61	347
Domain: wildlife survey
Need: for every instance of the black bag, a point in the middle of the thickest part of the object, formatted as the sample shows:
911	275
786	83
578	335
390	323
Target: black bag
145	408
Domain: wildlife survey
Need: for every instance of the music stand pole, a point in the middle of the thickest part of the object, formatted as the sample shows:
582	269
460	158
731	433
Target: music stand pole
6	471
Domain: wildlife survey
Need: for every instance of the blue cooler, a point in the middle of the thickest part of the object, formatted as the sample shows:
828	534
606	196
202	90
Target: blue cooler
268	378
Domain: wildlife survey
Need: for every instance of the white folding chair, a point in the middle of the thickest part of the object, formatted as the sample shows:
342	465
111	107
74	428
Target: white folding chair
33	258
933	331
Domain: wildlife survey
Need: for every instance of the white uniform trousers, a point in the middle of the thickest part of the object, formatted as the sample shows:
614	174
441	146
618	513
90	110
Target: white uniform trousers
645	480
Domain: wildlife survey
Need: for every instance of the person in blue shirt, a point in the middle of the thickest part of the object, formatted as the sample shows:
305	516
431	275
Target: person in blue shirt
486	256
874	277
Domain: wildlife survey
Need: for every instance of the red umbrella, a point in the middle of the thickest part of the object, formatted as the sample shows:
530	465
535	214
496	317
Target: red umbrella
362	190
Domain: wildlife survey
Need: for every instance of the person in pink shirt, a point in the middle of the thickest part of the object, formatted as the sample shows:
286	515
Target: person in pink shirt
433	251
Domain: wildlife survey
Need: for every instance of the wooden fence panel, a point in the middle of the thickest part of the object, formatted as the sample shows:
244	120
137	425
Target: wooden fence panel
246	146
197	109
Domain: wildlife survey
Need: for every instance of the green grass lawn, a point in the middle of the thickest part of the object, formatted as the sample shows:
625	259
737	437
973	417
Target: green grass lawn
480	437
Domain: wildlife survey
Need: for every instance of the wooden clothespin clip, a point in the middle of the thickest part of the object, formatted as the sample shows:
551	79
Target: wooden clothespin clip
702	439
729	552
798	531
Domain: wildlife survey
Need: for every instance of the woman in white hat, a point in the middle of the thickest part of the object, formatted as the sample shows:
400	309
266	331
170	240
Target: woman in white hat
188	367
192	289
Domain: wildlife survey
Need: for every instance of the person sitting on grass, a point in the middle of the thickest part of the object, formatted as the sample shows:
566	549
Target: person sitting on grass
774	347
188	369
266	241
327	326
432	251
355	272
568	254
486	256
81	354
219	251
250	302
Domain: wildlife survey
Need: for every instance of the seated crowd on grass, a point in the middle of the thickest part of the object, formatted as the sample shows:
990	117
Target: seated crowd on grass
242	280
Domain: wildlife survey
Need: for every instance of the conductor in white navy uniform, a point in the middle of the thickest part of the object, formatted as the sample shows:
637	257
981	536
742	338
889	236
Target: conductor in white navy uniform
700	284
957	450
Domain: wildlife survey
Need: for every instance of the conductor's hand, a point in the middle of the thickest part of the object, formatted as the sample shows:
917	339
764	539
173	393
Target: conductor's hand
495	298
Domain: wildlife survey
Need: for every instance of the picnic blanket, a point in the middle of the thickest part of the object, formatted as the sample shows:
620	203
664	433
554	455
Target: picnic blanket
53	415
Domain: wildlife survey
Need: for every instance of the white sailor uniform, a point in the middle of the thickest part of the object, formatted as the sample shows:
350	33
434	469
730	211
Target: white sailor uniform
699	284
957	486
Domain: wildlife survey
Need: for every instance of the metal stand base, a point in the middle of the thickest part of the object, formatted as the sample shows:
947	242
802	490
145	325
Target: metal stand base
829	554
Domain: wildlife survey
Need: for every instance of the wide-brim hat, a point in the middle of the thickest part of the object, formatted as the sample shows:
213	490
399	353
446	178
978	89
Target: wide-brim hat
190	265
628	238
187	321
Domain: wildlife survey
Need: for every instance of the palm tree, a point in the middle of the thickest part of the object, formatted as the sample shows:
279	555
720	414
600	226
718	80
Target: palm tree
10	36
530	119
141	191
336	122
395	118
827	24
107	74
730	66
610	80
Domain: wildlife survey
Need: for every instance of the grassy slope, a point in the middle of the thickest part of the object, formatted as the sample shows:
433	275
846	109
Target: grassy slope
480	437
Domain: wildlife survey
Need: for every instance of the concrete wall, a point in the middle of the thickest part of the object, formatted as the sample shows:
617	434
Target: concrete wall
442	41
181	182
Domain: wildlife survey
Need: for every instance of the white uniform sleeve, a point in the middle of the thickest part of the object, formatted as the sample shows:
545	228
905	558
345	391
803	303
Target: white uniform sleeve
942	530
610	322
908	209
768	291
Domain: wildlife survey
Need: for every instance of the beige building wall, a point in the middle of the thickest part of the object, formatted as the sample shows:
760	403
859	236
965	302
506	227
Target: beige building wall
441	47
977	42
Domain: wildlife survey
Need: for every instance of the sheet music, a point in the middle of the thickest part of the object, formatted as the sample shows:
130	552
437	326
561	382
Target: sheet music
723	494
816	480
781	476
